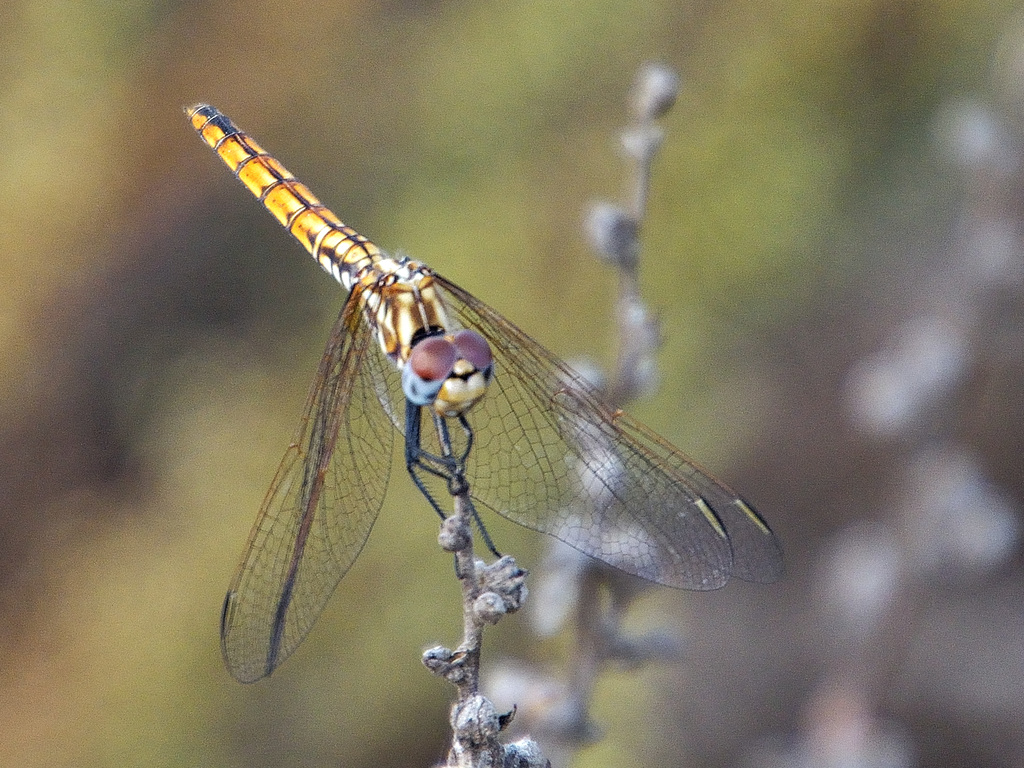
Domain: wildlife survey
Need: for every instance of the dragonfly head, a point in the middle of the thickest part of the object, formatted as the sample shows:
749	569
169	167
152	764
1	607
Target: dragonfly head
449	372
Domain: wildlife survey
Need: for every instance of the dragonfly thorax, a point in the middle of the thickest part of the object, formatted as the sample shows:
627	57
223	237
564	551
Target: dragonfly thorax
402	309
449	372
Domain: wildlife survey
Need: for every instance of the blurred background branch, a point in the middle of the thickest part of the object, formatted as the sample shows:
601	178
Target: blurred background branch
575	593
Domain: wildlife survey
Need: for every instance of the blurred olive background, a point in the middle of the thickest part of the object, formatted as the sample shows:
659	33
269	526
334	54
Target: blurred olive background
826	169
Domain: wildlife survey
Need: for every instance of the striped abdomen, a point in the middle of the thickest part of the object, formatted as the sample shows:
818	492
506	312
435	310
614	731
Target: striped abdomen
339	249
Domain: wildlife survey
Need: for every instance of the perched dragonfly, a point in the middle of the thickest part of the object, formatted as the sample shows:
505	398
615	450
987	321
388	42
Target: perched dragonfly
474	397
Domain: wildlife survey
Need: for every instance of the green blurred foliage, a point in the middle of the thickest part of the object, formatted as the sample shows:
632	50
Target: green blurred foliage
469	134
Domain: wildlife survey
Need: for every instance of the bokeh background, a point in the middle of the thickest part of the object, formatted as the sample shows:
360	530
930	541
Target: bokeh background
834	250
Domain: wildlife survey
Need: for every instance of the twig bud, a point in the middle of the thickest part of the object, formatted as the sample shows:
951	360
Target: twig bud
489	608
454	535
475	721
613	234
506	581
524	754
655	91
446	663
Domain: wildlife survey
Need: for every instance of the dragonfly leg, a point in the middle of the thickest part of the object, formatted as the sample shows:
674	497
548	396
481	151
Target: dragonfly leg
416	459
464	423
483	532
455	467
447	466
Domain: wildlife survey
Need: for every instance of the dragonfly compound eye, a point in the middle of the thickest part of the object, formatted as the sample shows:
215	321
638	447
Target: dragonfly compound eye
473	348
469	378
429	364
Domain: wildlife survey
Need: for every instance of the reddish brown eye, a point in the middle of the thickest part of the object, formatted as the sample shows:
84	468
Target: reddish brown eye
432	359
474	348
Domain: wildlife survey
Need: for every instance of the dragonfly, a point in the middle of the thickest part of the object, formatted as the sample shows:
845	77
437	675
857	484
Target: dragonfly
473	397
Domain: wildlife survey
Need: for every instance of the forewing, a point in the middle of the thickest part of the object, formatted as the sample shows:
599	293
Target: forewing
319	510
551	454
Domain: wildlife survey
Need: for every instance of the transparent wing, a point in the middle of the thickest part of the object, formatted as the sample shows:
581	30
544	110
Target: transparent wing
319	510
551	454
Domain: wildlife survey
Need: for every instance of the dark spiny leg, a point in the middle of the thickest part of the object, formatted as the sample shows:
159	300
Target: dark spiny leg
456	476
446	467
414	455
483	532
464	423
